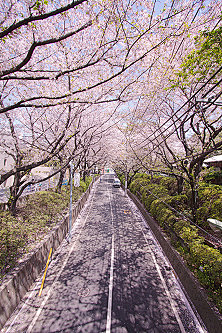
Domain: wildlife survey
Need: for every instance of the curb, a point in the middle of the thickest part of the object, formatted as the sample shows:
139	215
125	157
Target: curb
210	316
20	280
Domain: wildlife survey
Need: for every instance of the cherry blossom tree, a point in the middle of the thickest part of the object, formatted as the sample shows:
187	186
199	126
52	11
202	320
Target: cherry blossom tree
58	59
188	123
112	45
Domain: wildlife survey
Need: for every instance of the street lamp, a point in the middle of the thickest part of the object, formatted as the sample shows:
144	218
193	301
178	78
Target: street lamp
70	203
126	180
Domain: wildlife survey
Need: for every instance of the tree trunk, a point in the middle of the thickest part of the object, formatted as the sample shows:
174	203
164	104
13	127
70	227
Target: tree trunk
180	184
194	199
84	175
12	202
61	177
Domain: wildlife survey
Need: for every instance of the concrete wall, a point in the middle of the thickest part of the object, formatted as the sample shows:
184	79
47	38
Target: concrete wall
19	281
209	315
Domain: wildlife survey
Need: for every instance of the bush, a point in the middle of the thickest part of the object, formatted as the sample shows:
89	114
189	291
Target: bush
85	185
202	216
150	192
206	262
40	212
169	183
178	202
211	262
156	208
141	175
214	177
216	209
12	240
137	184
164	215
210	201
122	179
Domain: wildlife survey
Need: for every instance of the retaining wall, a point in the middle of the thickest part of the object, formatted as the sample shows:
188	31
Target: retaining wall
23	276
208	313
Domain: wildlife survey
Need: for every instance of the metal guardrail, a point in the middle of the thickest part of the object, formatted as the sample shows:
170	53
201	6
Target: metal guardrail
4	195
43	186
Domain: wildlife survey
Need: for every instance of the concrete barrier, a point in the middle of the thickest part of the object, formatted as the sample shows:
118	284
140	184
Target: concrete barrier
207	311
23	276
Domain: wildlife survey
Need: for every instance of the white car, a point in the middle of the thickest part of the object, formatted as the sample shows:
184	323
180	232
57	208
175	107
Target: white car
116	182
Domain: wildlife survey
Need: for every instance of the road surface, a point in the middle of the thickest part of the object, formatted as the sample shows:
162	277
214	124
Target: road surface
112	277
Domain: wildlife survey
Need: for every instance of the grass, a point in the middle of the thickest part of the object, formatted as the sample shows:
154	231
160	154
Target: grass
38	214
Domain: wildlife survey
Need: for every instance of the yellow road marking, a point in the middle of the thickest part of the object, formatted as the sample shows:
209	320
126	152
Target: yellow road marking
47	264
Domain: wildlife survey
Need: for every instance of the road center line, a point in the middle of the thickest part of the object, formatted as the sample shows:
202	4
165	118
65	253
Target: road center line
110	296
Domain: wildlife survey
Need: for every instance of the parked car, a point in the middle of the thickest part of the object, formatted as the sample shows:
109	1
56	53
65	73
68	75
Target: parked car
116	182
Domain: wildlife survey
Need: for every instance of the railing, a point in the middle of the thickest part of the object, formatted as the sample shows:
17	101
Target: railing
43	186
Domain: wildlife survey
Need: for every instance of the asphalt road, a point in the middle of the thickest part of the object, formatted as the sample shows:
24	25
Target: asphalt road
112	277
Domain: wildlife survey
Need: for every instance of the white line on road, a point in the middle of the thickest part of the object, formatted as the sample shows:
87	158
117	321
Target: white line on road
164	283
110	296
57	277
36	289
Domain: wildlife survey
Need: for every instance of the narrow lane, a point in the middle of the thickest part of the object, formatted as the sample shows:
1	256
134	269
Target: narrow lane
113	277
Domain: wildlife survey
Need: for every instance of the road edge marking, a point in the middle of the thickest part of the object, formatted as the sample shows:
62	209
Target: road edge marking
31	325
111	278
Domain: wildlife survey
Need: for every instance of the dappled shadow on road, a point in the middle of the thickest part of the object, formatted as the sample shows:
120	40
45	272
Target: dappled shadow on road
79	300
80	303
139	301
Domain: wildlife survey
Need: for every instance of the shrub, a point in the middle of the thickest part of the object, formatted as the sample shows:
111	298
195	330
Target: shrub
156	208
213	176
122	179
189	234
216	209
206	262
83	184
48	205
211	262
136	185
163	214
170	183
210	201
40	212
177	201
180	224
12	240
150	192
202	216
141	175
156	179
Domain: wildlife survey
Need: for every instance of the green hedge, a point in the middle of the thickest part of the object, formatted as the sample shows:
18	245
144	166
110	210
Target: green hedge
213	176
156	190
206	262
169	183
137	184
210	202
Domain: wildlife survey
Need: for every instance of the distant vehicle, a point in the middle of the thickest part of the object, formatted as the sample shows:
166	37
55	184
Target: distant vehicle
116	182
